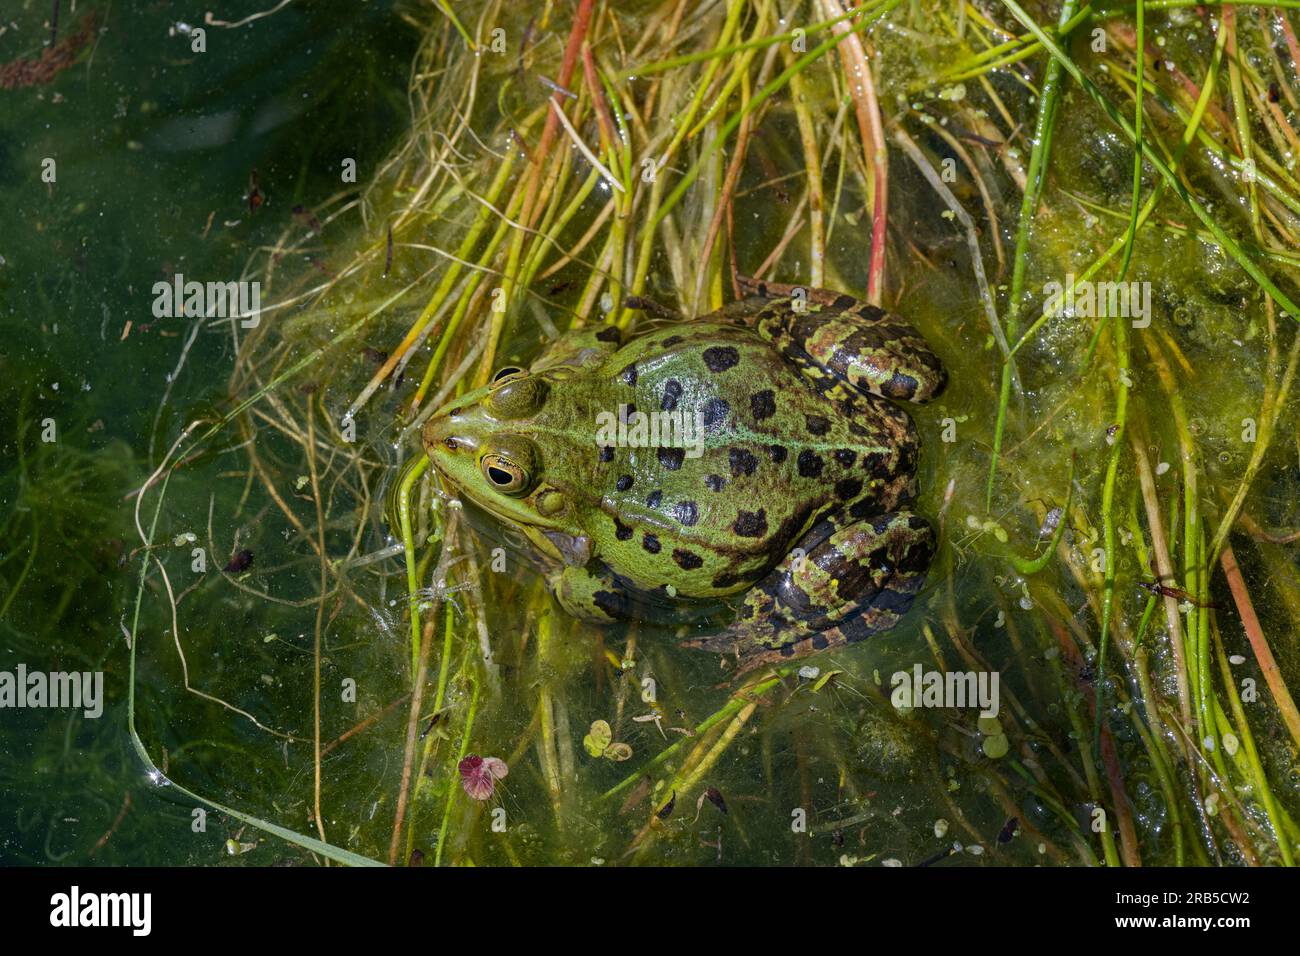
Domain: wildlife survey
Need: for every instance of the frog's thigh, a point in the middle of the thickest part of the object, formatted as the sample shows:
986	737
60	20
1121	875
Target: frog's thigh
841	585
865	347
591	595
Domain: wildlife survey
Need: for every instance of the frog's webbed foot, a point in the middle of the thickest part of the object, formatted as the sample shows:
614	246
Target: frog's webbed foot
836	338
841	585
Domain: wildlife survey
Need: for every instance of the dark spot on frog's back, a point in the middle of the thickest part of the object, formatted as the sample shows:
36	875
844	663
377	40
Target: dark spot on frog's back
687	560
751	524
624	482
742	462
672	392
846	489
671	341
686	512
714	413
818	424
621	531
719	358
606	452
671	458
763	404
628	375
652	500
846	457
810	464
726	580
777	453
650	542
876	464
609	333
715	482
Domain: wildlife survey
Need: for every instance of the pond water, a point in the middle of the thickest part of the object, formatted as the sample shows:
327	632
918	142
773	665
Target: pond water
315	648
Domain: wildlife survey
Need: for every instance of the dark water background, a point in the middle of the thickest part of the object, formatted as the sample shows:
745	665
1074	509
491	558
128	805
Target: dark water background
150	139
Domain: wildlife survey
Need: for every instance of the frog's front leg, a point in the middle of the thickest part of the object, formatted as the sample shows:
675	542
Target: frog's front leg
593	592
591	595
838	338
840	585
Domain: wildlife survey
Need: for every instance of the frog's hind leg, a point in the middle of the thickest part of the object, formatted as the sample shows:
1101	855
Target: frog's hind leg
840	586
835	338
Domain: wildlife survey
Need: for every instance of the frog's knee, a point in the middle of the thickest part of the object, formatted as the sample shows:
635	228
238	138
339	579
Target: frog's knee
876	563
888	358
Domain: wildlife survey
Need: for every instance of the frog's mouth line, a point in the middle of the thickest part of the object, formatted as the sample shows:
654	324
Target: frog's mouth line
552	543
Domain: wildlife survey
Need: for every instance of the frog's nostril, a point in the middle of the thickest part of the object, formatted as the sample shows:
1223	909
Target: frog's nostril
451	443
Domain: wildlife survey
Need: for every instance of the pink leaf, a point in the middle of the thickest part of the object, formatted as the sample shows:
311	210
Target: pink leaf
478	775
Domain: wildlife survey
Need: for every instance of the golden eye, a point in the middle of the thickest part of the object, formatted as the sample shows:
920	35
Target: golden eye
504	475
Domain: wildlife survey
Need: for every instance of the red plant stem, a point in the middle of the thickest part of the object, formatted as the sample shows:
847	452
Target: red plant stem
1259	644
857	70
1291	43
577	36
1128	844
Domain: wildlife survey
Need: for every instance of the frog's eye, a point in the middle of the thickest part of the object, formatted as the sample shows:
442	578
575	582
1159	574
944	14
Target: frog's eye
504	474
504	373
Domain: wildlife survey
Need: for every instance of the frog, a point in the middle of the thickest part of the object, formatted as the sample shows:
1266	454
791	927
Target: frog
777	504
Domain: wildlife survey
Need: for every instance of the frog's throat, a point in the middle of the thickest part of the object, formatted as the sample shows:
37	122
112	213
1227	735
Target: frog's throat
573	550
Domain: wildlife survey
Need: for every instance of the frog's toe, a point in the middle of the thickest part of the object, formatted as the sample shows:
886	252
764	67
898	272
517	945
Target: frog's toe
770	644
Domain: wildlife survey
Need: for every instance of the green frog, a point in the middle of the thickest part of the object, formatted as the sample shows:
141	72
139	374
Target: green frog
750	463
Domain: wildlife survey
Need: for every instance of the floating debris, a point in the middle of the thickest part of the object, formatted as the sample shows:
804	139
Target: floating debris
479	775
242	561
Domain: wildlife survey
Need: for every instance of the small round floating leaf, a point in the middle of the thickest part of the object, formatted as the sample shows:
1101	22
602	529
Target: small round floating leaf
996	746
598	738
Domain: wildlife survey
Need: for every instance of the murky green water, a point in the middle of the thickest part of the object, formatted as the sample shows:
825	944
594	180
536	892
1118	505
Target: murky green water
154	146
272	556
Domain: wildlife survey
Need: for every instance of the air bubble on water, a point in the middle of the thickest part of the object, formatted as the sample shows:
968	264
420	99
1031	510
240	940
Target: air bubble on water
156	778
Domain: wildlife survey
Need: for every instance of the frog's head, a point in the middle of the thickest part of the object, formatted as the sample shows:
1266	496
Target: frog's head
482	443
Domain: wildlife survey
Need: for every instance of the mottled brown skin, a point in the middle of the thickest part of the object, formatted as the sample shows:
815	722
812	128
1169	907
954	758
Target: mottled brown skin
796	506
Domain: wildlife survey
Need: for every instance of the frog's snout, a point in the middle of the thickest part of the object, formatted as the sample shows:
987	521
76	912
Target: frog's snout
450	433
